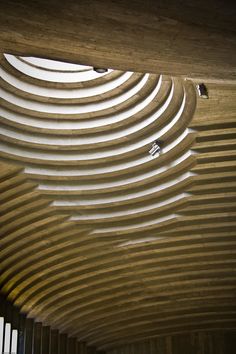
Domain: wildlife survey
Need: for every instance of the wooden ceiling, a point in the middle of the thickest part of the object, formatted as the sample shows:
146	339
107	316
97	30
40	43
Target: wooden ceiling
98	238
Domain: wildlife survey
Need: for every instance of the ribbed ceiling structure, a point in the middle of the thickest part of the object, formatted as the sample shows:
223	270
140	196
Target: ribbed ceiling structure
99	239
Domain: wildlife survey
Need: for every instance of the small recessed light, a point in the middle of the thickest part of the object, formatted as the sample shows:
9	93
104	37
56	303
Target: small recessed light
100	70
155	149
202	90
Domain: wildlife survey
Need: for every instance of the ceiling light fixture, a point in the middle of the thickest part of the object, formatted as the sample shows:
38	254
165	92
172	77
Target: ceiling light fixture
202	90
100	70
155	149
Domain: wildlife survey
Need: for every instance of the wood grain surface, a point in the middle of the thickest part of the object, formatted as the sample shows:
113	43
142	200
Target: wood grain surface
99	239
185	38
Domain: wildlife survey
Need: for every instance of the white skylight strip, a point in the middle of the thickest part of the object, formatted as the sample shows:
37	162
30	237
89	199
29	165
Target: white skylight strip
65	93
83	124
93	154
1	333
73	109
14	341
54	64
7	338
69	157
86	139
51	156
46	75
124	197
76	156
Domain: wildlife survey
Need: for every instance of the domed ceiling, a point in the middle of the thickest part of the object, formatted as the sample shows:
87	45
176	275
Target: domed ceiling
99	238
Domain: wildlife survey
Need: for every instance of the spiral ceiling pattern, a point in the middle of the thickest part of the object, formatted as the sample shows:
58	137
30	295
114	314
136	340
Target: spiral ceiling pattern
99	238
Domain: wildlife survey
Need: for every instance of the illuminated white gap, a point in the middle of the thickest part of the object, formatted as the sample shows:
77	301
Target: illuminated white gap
50	171
88	140
122	197
46	75
83	124
7	338
73	156
55	64
51	156
65	93
141	240
1	333
136	226
177	141
88	155
14	341
138	209
93	153
73	109
17	151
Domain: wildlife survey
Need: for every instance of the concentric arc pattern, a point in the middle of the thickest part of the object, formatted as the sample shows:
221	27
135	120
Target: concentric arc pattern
95	230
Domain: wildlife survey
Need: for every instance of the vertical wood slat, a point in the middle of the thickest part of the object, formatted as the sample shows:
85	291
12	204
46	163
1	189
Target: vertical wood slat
90	350
182	343
2	308
201	345
71	346
62	343
152	346
160	346
54	344
82	348
14	317
85	348
218	343
29	333
45	340
8	312
78	351
21	334
230	343
37	338
169	345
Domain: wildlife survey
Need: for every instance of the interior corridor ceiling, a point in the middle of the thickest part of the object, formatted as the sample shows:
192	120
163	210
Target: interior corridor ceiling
99	238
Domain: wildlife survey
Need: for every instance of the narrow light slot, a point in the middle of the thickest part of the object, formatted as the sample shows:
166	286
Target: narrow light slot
1	333
14	341
7	338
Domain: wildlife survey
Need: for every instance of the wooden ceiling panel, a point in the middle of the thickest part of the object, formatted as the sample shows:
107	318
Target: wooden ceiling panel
99	239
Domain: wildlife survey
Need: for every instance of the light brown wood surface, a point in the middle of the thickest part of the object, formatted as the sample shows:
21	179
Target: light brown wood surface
99	239
189	37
